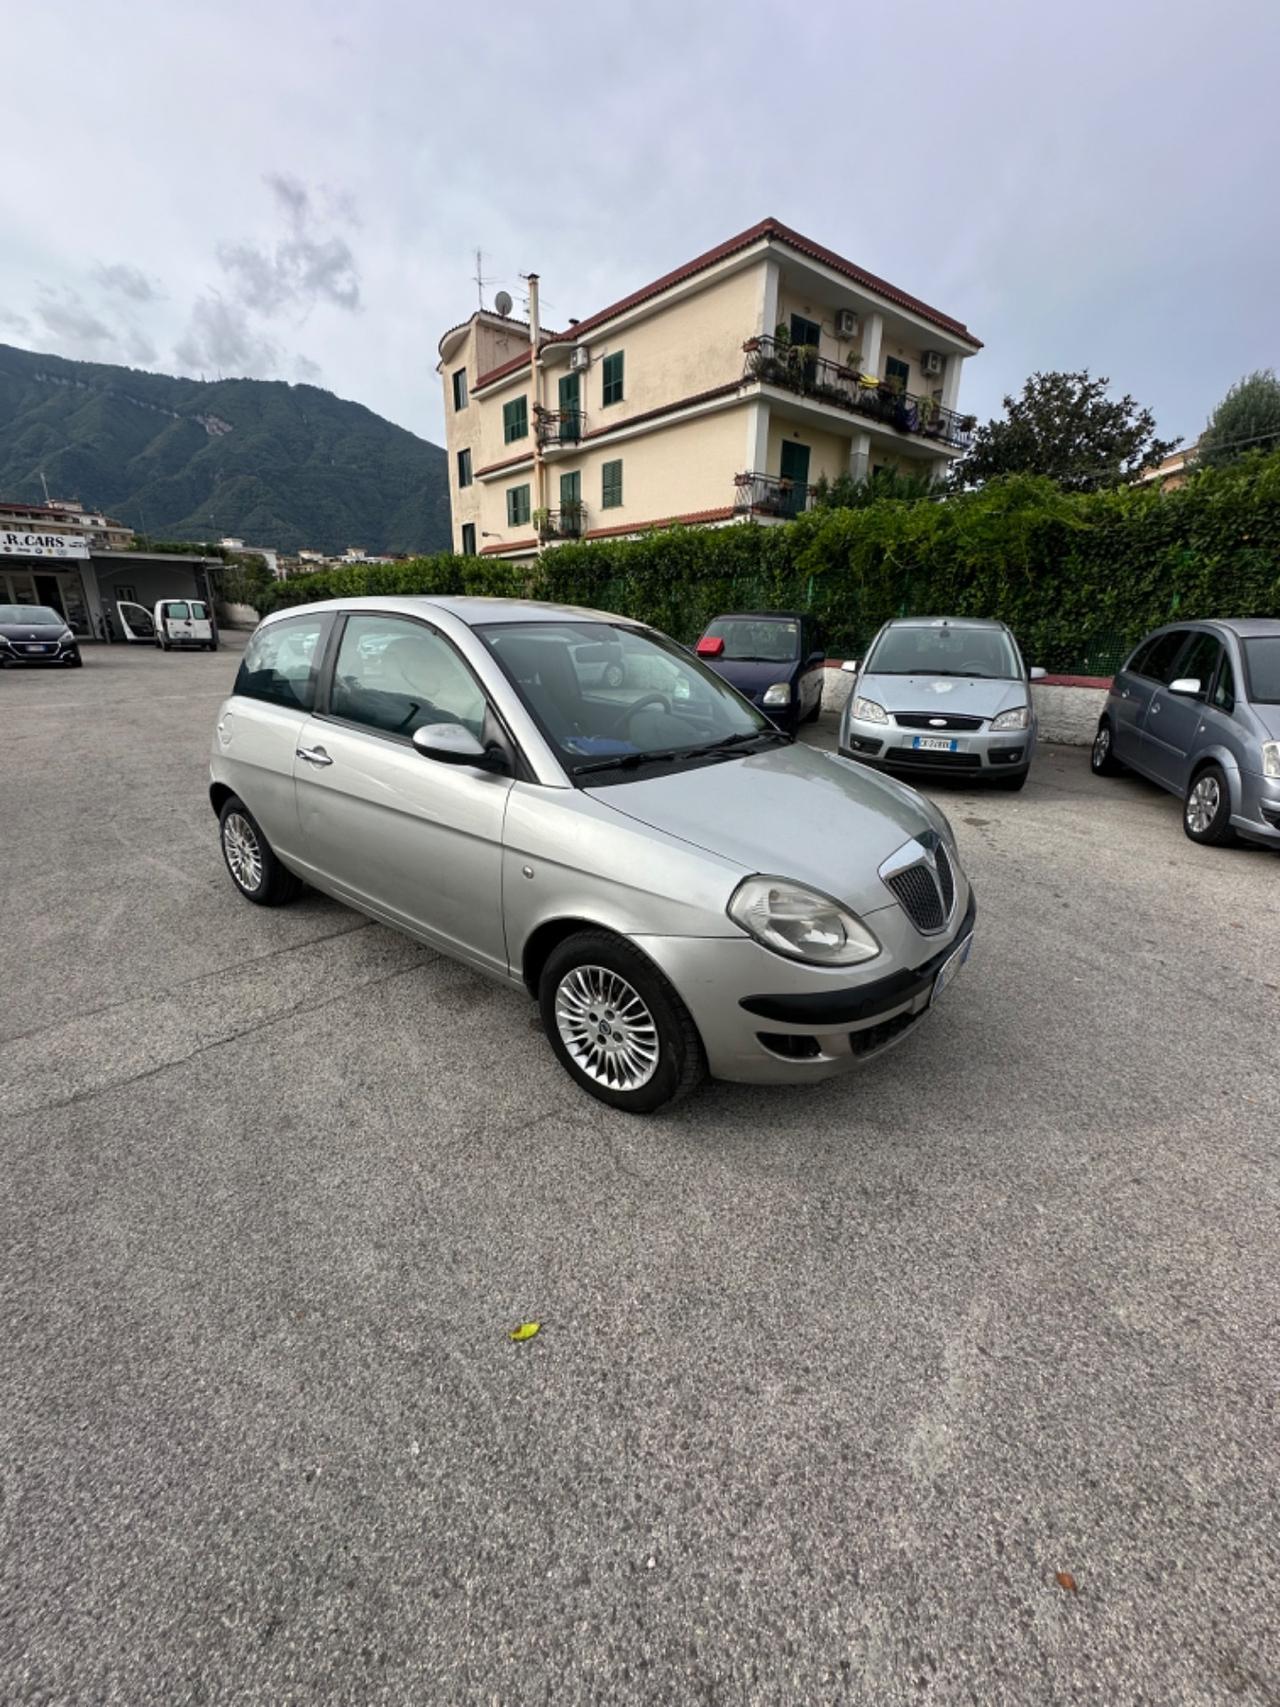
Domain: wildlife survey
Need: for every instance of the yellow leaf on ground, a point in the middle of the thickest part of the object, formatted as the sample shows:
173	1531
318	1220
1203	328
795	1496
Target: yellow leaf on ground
525	1331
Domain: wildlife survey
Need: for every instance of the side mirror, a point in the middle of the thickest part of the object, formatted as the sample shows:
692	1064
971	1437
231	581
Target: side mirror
816	656
450	744
710	646
1189	685
1036	673
850	664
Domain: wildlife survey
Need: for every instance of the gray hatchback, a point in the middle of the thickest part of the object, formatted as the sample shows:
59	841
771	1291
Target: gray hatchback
1196	708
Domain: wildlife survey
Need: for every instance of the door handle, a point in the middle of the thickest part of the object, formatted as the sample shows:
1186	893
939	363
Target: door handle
314	755
1155	706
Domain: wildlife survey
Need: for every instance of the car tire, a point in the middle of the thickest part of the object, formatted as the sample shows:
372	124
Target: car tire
1102	758
1011	784
596	966
77	662
213	646
254	868
1206	811
816	713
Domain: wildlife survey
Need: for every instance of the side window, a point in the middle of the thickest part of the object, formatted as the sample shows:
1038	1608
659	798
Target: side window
460	388
899	371
1200	660
396	676
464	468
1156	659
1224	689
468	539
281	661
199	611
177	610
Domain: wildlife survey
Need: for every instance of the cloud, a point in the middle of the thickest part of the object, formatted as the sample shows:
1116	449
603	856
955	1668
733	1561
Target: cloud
127	281
14	322
306	266
220	338
307	372
66	315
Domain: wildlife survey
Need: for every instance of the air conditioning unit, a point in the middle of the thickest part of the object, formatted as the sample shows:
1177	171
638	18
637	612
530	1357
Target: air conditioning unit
931	363
846	323
580	360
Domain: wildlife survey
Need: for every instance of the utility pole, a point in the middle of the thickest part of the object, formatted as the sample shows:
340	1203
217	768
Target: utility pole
45	484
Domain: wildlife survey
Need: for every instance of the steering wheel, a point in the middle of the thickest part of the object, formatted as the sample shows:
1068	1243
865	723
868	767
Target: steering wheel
628	711
973	667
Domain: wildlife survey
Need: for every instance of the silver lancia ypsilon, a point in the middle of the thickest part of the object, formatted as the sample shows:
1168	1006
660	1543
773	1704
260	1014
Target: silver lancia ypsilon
575	804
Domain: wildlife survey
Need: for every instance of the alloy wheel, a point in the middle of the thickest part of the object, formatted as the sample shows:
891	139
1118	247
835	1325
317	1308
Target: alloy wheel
1101	747
1202	804
243	850
606	1027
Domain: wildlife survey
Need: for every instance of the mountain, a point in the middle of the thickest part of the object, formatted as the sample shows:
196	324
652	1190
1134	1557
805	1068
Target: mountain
267	462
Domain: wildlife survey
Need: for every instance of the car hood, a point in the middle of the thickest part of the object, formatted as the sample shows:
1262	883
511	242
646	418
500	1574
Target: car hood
968	696
789	811
32	630
751	677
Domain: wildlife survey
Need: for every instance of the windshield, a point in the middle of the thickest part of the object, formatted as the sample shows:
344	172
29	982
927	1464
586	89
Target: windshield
1262	661
34	615
941	649
756	640
613	700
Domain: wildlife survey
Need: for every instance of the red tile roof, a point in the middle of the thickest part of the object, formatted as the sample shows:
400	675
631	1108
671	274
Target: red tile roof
509	545
510	462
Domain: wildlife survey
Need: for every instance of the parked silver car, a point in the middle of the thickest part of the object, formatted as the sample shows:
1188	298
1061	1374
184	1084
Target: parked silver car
678	884
944	695
1196	708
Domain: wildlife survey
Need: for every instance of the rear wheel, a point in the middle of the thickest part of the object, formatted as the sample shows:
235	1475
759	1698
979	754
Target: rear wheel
1206	812
254	868
617	1026
1102	758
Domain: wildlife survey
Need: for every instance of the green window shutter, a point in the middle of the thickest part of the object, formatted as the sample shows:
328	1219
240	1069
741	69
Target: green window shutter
570	489
613	378
515	420
517	505
611	485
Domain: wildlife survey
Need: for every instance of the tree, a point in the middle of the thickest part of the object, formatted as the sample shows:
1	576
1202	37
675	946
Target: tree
1064	425
1247	419
845	493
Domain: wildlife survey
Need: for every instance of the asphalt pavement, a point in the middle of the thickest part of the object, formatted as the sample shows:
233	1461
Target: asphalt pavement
952	1382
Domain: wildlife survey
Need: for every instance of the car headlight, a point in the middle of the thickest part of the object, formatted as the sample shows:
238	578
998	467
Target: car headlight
867	711
1271	758
66	639
1017	719
778	694
798	922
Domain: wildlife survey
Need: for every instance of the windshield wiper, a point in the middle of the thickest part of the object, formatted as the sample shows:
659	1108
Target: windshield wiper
629	761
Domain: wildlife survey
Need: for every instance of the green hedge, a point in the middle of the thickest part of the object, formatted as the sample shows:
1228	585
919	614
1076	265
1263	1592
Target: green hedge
1078	577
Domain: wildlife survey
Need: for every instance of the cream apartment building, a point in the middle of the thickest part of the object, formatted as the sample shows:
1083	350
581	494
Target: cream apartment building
721	391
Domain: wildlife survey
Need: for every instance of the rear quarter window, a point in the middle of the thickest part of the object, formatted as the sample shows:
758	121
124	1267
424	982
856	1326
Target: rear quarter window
282	663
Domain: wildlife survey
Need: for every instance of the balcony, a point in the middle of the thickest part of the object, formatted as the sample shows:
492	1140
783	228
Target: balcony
565	523
770	495
799	368
559	427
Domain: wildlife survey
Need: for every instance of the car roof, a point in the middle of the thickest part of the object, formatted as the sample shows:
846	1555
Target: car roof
945	621
1243	627
758	616
473	611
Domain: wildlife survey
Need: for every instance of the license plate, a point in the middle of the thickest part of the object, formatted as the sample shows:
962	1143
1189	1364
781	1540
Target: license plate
934	744
949	968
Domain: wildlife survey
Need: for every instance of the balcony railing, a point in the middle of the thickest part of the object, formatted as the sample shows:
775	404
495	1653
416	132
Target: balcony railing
559	427
770	495
565	523
799	368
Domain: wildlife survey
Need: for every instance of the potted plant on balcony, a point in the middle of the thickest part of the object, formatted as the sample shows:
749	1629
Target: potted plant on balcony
930	416
542	523
571	518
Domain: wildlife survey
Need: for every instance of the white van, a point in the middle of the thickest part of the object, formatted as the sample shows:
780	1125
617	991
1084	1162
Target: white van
174	622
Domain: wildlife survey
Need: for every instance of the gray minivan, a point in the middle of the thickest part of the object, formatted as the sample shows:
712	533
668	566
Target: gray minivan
1196	708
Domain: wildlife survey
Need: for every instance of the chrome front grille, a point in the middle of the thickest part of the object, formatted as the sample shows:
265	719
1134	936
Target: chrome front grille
925	888
936	720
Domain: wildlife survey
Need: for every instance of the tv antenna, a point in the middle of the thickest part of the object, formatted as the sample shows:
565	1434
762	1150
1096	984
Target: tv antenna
480	279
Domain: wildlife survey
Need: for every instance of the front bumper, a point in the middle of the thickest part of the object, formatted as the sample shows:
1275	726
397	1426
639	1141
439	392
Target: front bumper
40	652
770	1021
1259	814
978	752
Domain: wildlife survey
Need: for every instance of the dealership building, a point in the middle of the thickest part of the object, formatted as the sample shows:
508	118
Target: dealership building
80	564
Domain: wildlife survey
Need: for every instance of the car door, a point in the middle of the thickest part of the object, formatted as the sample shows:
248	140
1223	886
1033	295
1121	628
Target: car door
1132	690
173	618
403	836
812	661
1175	721
259	727
136	621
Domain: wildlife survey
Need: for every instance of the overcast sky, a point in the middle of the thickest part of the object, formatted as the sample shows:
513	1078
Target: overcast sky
296	190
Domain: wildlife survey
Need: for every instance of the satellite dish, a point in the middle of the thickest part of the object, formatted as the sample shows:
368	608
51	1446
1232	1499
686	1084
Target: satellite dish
502	302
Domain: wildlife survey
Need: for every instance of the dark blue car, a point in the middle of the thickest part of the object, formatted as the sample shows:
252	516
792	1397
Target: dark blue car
774	658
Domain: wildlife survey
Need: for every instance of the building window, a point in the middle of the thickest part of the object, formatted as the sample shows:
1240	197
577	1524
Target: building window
515	420
612	378
896	370
517	505
468	539
464	468
611	485
806	333
460	388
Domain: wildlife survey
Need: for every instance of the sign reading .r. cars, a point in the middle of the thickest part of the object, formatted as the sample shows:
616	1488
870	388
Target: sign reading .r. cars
42	545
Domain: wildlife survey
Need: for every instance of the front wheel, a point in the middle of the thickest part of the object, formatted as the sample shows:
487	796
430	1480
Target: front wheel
1102	756
1206	812
617	1026
254	868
